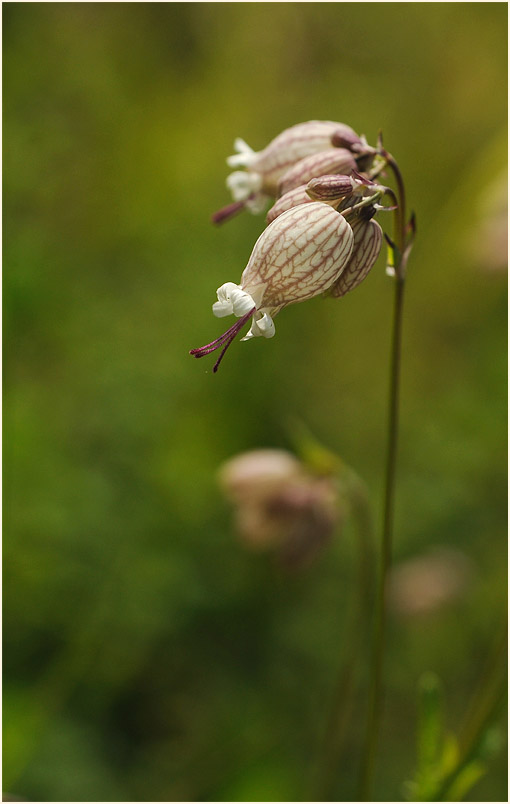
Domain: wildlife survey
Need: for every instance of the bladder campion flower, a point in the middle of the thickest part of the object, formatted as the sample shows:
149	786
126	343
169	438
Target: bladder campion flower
298	256
253	187
334	160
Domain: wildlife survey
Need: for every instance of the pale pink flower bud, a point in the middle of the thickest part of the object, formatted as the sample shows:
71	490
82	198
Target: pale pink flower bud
298	256
368	239
334	160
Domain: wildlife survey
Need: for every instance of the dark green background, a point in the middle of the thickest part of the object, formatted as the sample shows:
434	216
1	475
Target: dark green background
146	656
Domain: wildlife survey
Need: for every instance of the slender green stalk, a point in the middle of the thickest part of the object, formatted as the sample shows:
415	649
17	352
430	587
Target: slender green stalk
379	632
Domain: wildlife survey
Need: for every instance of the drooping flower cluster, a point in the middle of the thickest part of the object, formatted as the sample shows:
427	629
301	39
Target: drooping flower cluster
321	237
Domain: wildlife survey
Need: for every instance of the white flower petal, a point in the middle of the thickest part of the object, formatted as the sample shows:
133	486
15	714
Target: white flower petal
224	306
242	184
245	156
232	299
262	325
258	203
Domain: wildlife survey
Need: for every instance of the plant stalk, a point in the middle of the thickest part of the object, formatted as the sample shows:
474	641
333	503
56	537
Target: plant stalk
375	696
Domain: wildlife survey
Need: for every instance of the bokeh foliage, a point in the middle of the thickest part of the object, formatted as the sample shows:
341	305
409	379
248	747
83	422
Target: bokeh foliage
146	656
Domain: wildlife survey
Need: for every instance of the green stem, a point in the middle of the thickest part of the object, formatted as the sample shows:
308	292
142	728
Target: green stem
379	632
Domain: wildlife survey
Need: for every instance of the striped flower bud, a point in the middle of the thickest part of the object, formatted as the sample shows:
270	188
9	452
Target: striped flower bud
333	160
368	239
258	181
328	189
298	256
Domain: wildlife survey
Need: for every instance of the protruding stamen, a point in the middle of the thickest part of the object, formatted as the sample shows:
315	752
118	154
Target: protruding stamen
224	340
228	212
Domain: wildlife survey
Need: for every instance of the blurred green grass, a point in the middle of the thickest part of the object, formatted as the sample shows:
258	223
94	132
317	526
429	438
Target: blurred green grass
146	657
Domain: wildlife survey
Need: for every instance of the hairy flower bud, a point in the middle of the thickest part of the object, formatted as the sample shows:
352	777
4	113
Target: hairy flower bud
333	160
368	239
298	256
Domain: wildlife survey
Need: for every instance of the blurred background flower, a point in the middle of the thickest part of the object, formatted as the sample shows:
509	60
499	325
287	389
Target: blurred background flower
426	583
280	506
145	656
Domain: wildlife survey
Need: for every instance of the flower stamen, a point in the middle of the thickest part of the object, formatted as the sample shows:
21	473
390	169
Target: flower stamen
224	340
225	213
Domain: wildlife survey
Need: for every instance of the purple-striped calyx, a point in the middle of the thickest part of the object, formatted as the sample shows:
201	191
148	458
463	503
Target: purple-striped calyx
368	239
332	160
298	256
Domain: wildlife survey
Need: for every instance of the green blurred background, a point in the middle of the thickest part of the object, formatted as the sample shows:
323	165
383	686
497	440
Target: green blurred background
147	656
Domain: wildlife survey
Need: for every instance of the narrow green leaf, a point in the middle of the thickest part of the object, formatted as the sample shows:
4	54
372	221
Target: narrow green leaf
450	755
430	724
465	780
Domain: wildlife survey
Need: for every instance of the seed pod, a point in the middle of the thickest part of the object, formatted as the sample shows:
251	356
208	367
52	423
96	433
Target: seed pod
330	188
334	160
298	256
368	239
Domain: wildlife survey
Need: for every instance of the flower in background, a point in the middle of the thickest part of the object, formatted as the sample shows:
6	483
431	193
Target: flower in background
429	582
280	506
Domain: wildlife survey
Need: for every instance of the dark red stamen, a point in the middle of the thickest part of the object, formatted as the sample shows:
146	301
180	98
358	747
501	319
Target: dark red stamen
224	340
225	213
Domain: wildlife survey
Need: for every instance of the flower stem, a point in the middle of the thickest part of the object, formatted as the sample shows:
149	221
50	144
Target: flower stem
379	629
